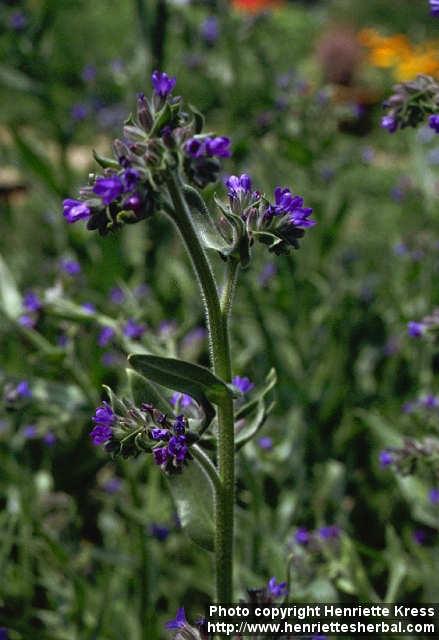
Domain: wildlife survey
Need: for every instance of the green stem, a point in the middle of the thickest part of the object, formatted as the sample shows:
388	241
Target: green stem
182	219
217	322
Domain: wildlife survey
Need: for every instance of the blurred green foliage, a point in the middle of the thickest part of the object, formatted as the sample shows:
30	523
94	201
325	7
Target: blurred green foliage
78	554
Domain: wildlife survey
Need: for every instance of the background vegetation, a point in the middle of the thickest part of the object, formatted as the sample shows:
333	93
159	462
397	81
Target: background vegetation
92	549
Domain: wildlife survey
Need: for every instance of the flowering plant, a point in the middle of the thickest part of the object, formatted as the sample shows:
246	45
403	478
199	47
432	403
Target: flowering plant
159	167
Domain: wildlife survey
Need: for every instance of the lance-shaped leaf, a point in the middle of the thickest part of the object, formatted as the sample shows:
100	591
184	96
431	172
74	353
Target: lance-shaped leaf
253	426
35	161
10	298
193	493
260	394
143	390
194	380
205	226
104	162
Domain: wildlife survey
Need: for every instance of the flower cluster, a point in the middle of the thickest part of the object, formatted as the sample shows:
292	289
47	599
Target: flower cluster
278	224
329	532
160	138
417	329
428	401
14	393
413	455
32	306
146	430
411	103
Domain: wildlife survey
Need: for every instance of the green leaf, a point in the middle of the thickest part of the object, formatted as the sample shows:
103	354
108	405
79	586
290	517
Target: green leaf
198	119
10	298
13	79
162	119
192	491
68	396
247	408
204	224
116	403
196	381
37	163
143	390
251	429
105	163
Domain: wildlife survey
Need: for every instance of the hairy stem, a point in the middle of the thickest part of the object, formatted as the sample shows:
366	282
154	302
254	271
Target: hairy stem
217	322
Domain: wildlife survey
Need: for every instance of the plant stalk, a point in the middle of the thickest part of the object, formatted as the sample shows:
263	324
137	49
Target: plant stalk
217	323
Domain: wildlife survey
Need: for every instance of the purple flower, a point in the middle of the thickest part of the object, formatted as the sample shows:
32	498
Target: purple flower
218	146
238	186
30	432
167	328
277	589
108	189
430	401
141	291
49	439
162	83
23	389
75	210
287	203
105	336
110	359
329	532
210	29
159	434
182	399
433	495
195	335
434	8
179	425
265	443
302	536
88	307
63	340
179	621
159	532
113	485
177	448
79	111
130	178
419	536
17	20
88	73
161	455
400	249
416	329
408	407
27	321
103	420
70	267
31	302
389	123
433	122
244	385
117	295
385	458
133	330
195	148
268	272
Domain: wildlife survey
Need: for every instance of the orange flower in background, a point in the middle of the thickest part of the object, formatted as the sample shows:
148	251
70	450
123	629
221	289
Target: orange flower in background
398	53
256	6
